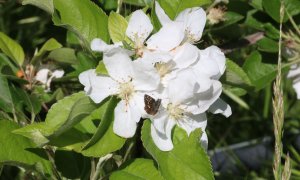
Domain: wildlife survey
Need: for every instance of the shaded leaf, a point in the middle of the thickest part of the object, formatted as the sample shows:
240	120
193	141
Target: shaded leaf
72	165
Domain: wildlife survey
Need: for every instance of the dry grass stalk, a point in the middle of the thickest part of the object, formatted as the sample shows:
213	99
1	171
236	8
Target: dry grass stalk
278	117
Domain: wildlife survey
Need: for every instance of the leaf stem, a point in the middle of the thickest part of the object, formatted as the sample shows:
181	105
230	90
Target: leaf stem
99	166
120	2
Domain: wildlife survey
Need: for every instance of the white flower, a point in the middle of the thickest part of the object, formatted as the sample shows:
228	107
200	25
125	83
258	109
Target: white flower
167	38
139	28
169	63
294	74
179	108
188	95
128	80
45	77
212	64
192	21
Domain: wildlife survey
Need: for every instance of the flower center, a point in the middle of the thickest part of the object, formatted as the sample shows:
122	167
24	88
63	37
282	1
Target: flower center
162	68
126	90
175	112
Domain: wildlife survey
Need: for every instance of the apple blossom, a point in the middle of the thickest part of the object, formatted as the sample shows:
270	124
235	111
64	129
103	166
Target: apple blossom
192	20
139	28
45	76
183	79
126	79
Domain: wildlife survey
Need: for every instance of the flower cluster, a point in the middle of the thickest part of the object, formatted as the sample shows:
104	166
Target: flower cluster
165	78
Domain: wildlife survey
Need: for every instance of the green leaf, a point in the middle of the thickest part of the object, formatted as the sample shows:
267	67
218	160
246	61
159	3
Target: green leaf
174	7
83	17
101	69
139	169
104	140
292	7
272	7
63	55
236	76
85	61
187	160
4	61
252	22
256	4
260	74
50	45
138	2
62	116
268	28
46	5
12	49
267	45
20	151
117	26
6	101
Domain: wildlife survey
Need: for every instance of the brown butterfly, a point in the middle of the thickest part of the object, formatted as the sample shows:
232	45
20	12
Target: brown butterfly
151	105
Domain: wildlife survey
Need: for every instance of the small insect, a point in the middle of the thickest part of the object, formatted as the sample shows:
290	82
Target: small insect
151	105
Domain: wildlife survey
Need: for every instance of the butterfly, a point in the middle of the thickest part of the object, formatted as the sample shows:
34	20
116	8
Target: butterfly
151	105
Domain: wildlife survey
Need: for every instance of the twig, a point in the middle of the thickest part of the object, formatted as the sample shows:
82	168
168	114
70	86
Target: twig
99	166
120	2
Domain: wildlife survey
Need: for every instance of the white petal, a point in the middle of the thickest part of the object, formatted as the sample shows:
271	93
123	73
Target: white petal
163	141
168	37
101	46
42	75
191	122
204	82
156	56
145	76
125	120
160	121
162	16
207	98
186	55
139	104
294	71
58	73
212	62
194	21
119	66
182	87
98	87
220	107
296	86
139	27
204	140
